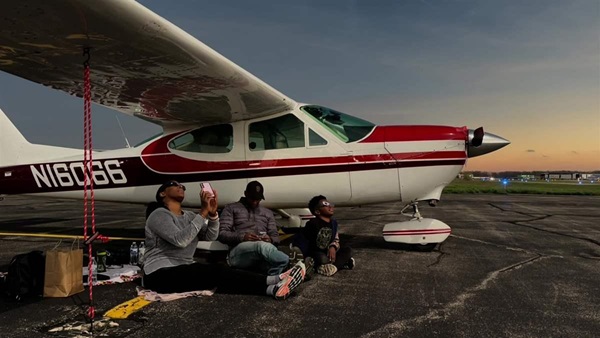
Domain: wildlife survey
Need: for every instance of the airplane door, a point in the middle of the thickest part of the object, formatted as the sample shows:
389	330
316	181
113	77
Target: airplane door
378	178
294	162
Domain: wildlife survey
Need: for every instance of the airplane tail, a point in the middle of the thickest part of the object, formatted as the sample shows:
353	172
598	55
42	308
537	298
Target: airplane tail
15	149
11	141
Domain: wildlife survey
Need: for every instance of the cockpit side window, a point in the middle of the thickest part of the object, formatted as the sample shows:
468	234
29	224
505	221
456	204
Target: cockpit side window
315	139
282	132
212	140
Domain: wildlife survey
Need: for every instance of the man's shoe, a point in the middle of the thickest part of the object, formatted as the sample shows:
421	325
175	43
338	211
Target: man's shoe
327	269
350	265
299	265
291	280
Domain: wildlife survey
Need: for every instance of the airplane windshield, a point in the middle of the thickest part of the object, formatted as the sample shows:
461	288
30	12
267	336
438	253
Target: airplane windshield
345	127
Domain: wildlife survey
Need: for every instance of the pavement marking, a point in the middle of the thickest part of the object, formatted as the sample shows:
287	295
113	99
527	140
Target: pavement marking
123	310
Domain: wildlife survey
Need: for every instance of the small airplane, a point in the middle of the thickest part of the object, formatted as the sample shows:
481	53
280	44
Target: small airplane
220	123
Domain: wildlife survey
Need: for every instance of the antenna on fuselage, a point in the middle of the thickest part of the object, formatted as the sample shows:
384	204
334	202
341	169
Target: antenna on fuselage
123	132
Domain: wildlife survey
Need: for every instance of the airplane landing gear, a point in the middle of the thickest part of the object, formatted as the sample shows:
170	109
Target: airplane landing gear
423	234
415	207
292	220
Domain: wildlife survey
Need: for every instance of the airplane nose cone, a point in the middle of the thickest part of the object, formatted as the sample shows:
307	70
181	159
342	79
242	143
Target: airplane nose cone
489	143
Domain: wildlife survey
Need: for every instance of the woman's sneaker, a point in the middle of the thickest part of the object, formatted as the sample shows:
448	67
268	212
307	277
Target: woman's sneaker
327	269
290	280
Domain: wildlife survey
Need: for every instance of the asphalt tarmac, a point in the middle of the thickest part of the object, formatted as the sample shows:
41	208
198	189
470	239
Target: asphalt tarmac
514	266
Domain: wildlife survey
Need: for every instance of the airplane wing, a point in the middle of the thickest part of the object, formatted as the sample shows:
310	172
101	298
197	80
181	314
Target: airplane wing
141	64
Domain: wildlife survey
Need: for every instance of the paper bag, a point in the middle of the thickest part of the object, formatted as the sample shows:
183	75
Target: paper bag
64	275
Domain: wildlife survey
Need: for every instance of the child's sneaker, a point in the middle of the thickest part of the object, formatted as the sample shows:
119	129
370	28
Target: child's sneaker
350	265
291	279
327	269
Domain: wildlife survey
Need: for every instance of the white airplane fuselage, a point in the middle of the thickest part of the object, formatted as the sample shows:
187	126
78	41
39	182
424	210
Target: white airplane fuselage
390	163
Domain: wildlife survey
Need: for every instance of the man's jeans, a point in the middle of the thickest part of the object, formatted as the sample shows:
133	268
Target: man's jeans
263	256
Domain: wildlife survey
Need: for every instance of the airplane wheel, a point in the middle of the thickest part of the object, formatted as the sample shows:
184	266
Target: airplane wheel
425	247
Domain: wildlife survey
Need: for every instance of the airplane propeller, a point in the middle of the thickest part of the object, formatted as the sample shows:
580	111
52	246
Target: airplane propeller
477	139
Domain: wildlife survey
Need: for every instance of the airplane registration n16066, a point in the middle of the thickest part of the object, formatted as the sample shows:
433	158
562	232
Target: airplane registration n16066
72	174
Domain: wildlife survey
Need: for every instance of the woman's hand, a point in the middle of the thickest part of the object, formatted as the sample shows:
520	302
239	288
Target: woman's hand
209	204
213	205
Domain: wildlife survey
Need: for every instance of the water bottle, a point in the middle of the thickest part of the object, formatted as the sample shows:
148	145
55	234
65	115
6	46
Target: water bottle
101	260
141	253
137	254
94	271
133	254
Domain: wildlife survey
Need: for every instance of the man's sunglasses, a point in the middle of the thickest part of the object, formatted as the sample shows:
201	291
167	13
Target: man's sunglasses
326	204
176	184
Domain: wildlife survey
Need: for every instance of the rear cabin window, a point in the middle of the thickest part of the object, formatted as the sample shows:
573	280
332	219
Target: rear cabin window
212	140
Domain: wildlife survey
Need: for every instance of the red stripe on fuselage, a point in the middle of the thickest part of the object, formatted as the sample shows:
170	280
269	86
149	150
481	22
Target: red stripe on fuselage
171	163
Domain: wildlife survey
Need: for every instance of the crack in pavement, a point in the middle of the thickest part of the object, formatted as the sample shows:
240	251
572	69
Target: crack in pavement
588	256
507	247
498	245
396	328
593	241
520	223
441	255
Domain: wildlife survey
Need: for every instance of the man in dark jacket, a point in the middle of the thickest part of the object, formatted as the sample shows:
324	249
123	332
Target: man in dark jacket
323	239
251	233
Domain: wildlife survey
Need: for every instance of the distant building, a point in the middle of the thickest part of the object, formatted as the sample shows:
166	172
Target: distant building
561	176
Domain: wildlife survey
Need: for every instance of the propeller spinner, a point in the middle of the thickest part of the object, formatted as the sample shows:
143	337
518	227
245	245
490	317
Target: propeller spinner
481	143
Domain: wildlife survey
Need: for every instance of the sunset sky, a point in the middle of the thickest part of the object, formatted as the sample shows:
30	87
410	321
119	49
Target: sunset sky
528	71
